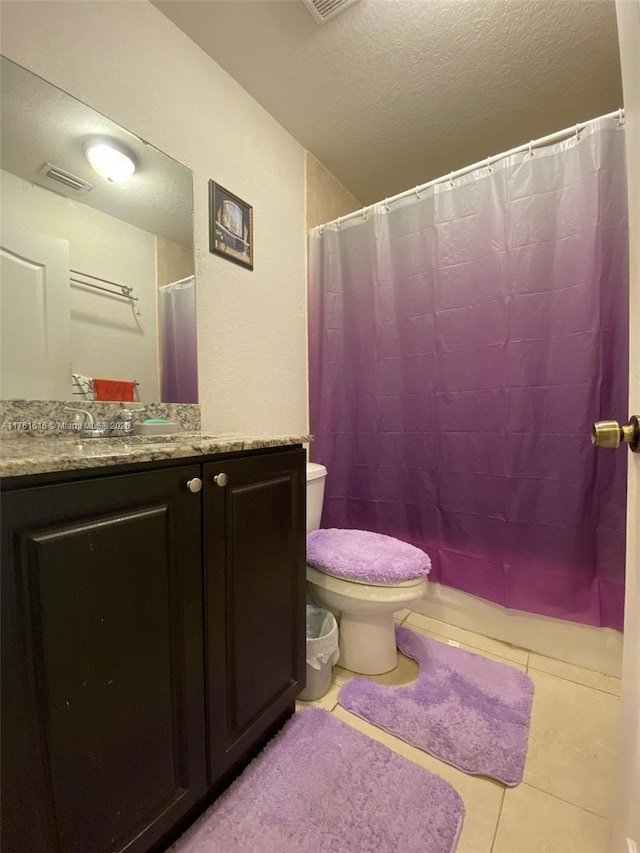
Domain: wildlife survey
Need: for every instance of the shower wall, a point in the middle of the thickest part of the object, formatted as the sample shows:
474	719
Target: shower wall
326	197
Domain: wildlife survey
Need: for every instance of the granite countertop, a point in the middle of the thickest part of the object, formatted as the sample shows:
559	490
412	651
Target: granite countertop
23	454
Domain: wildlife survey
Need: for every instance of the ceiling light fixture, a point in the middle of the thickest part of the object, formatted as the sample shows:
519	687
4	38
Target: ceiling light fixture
110	159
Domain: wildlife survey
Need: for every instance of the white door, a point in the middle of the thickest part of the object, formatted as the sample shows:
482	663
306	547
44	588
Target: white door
35	316
626	819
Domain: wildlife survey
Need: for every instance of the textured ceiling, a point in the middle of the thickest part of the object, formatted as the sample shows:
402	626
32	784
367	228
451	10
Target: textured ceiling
42	124
392	93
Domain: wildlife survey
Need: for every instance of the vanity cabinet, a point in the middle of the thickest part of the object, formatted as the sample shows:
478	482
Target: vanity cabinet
102	662
152	637
255	598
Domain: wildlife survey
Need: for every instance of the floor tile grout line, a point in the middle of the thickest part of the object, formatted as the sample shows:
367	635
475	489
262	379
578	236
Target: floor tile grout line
562	800
436	636
469	631
495	834
483	652
407	755
529	652
525	783
528	667
416	627
573	681
435	772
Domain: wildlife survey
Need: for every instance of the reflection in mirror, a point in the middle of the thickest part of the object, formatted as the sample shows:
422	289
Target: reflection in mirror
97	295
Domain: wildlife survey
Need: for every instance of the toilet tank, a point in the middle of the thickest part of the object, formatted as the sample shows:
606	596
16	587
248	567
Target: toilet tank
316	475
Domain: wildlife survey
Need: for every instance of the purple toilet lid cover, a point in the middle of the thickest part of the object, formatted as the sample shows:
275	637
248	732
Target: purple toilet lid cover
364	556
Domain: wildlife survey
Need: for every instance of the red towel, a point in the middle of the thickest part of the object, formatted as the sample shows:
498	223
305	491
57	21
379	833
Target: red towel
113	390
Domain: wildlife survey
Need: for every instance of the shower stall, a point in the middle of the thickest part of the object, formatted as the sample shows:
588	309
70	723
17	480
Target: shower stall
464	336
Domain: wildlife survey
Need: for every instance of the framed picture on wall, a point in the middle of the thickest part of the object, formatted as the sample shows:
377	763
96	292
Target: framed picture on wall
230	226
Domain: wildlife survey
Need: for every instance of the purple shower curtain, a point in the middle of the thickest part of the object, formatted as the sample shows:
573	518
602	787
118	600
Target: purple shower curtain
461	346
178	342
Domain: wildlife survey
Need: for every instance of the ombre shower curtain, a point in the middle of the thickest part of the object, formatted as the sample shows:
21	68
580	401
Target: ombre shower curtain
178	342
462	342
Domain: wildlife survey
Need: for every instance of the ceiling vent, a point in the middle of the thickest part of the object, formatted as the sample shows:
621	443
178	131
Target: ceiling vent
323	10
71	182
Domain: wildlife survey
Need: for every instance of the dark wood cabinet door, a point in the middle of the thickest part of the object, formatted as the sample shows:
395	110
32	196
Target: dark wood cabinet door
103	707
255	599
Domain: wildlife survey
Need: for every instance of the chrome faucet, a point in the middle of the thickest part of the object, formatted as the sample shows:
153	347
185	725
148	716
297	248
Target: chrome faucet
121	423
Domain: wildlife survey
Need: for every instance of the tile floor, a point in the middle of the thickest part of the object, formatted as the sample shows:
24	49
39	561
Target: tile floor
563	803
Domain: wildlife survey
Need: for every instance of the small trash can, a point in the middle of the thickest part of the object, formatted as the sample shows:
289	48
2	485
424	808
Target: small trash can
322	651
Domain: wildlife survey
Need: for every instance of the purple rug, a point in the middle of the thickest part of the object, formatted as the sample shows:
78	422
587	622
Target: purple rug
319	785
464	709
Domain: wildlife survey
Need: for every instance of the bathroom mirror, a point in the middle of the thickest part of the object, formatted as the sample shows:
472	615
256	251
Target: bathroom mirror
97	299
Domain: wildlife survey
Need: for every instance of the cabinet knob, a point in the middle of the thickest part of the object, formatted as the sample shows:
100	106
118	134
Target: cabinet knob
221	480
194	485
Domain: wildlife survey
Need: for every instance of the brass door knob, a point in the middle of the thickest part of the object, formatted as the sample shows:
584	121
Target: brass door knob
610	434
221	480
194	485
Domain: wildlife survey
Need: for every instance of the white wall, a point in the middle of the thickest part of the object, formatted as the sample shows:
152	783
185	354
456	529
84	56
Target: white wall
327	198
108	339
128	61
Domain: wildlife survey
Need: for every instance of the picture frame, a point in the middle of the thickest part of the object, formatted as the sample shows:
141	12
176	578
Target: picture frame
230	226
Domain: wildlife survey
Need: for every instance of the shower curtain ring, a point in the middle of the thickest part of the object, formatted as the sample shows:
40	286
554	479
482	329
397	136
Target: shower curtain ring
417	193
386	204
489	169
339	223
364	213
577	131
531	148
450	179
620	117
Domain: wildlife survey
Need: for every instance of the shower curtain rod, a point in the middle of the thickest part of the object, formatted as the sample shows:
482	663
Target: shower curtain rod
180	281
489	161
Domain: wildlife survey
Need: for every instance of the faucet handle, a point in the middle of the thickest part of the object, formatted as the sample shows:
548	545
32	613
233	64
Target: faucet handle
89	417
130	411
86	428
121	422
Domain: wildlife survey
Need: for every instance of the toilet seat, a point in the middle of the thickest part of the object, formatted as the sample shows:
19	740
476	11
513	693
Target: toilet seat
357	581
362	594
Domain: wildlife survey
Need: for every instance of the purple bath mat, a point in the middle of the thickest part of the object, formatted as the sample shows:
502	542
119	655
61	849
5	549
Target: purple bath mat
319	785
464	709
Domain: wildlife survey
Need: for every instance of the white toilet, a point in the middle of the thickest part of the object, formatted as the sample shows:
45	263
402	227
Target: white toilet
364	609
